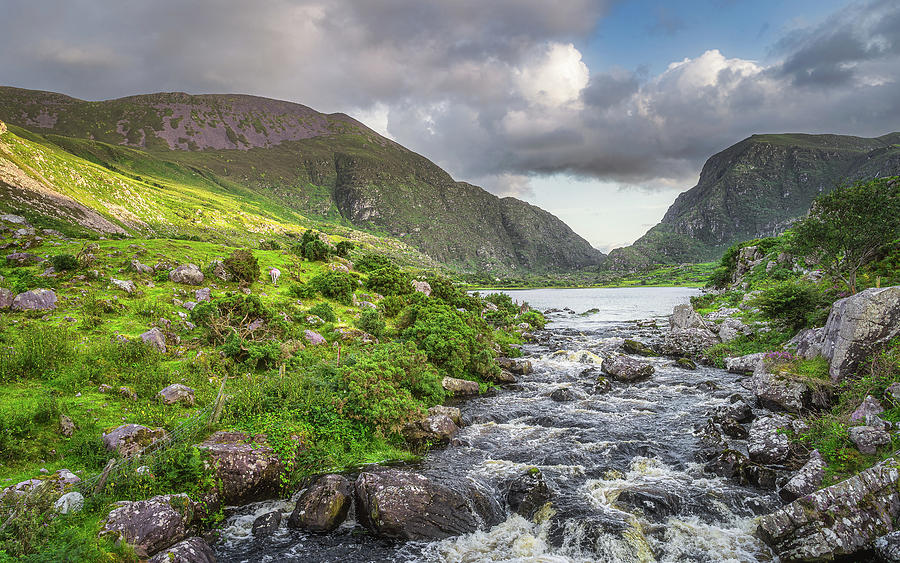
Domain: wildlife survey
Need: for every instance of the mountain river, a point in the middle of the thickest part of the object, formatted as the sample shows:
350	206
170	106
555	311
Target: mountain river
627	486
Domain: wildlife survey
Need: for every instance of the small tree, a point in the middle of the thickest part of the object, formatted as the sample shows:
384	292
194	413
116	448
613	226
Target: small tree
242	265
845	228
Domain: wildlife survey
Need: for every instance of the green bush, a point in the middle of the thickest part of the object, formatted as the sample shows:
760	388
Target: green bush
371	262
792	303
335	285
372	322
343	248
316	251
270	244
226	315
64	262
389	280
324	311
242	265
534	318
391	306
257	355
302	290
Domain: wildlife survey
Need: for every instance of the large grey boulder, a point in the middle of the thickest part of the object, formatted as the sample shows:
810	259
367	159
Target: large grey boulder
323	506
435	430
151	525
744	364
858	326
887	548
782	392
452	412
870	407
21	259
422	287
136	266
408	506
731	329
768	443
69	503
684	316
805	481
35	300
187	273
155	338
688	341
517	366
191	550
459	386
248	468
6	298
838	520
747	258
177	393
626	368
129	439
807	343
868	439
527	493
125	285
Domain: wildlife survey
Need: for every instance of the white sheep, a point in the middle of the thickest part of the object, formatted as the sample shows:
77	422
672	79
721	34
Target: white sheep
274	273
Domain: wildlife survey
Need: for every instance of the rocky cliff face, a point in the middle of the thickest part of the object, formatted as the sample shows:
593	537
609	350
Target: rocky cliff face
756	188
327	167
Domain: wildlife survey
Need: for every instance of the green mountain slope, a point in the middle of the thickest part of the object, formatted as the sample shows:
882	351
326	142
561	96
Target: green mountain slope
281	162
757	188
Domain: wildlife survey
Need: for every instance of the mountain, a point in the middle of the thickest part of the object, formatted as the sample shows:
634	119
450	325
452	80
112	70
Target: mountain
756	188
170	161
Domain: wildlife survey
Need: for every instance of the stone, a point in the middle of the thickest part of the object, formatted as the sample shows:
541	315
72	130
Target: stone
731	329
204	294
125	285
782	392
324	505
805	481
21	259
218	270
893	392
868	439
835	521
688	341
636	348
744	365
267	524
35	300
128	393
452	412
527	493
10	218
768	443
625	368
887	548
502	377
459	386
517	366
649	501
191	550
858	326
313	337
807	343
685	363
188	274
737	409
870	407
684	316
248	468
189	305
66	426
408	506
434	430
732	464
177	393
155	338
563	395
748	257
129	439
69	503
6	298
422	287
152	524
137	266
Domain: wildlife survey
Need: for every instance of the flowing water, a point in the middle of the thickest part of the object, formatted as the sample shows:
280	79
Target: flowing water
622	463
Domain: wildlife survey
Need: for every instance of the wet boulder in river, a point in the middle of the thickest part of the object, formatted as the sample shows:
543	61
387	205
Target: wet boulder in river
267	524
625	368
517	366
459	386
191	550
688	341
408	506
768	442
528	493
836	521
434	430
636	348
324	505
684	316
453	412
805	481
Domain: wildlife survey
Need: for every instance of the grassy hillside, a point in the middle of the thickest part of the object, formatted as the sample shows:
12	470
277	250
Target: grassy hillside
283	160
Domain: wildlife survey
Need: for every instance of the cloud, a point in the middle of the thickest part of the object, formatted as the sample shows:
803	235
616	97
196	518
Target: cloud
496	92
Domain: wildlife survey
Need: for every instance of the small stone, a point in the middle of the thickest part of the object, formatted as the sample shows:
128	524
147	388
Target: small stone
125	285
177	393
869	438
869	408
266	524
66	426
155	338
69	503
313	337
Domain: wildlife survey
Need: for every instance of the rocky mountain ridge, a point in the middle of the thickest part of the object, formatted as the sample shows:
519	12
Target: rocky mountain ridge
757	188
326	167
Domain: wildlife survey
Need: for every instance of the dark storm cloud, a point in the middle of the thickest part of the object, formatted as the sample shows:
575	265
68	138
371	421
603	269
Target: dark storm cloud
493	91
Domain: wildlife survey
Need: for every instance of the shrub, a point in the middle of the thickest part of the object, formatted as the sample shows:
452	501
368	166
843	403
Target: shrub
257	355
343	248
324	311
371	262
792	303
335	285
242	265
302	290
230	314
270	244
37	351
372	322
64	262
391	306
534	318
389	280
316	250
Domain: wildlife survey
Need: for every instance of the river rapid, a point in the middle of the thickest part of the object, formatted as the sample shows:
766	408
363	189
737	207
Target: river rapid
621	463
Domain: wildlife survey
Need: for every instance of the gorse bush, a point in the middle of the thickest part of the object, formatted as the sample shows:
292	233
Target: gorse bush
64	262
323	311
389	280
371	262
344	248
242	265
371	321
792	303
335	285
311	247
534	318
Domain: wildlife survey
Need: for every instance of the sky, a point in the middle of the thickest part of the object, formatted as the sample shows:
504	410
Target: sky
600	111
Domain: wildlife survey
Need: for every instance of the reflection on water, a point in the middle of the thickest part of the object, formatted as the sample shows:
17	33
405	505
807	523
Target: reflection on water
621	463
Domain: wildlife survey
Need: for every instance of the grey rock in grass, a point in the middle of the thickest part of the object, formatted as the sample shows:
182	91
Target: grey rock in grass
35	300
